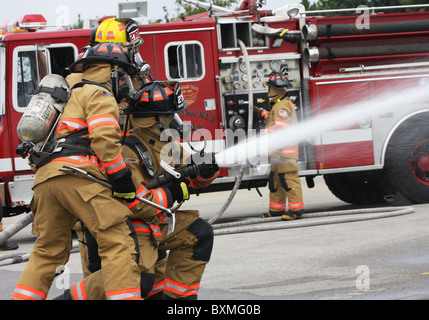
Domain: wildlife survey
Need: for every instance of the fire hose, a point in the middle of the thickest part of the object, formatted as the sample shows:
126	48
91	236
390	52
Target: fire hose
17	226
313	32
330	217
249	126
314	54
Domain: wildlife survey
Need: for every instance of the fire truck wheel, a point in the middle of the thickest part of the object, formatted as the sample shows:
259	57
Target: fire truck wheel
362	187
407	160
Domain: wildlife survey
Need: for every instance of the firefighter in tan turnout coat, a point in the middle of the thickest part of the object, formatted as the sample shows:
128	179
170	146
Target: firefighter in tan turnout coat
175	275
90	122
286	198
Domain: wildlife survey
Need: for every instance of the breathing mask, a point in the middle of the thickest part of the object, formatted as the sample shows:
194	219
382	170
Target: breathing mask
143	68
124	85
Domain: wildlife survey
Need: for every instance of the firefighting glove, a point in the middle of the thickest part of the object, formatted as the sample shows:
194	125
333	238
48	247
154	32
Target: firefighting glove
209	167
179	191
123	188
263	114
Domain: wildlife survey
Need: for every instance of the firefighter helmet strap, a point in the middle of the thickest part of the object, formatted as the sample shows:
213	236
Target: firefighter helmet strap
159	123
114	78
125	128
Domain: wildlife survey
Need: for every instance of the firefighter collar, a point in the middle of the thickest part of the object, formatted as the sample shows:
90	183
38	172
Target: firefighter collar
99	73
150	139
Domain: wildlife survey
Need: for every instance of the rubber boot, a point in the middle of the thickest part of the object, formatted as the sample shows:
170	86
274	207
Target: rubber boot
272	214
298	214
288	216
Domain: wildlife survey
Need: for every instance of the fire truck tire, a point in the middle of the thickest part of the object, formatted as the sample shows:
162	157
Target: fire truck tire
407	160
363	187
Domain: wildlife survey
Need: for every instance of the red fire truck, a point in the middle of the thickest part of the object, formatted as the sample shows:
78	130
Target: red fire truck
223	58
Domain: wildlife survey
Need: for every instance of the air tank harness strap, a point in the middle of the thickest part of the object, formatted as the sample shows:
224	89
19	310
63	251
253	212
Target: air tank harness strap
71	145
84	82
58	93
146	161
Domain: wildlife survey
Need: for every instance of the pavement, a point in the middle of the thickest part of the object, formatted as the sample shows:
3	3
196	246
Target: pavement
368	259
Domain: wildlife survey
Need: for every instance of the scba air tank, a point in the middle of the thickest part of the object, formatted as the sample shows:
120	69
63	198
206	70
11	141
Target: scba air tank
43	110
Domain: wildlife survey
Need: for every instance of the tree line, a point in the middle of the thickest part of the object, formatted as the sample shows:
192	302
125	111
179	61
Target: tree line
344	4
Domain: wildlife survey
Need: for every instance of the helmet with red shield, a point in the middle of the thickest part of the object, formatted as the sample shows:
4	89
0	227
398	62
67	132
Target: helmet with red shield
117	58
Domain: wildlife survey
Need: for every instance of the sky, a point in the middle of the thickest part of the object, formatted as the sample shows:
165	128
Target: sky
58	12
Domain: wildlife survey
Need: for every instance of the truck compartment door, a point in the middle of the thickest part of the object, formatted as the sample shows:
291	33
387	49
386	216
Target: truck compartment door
346	146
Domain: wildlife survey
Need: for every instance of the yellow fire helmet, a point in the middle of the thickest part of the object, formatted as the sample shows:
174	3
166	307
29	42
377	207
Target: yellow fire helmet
125	31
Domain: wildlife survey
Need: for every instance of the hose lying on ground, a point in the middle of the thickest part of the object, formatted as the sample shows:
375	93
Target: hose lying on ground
17	226
18	257
331	217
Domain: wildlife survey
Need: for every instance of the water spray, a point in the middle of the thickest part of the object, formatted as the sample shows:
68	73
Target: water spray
257	147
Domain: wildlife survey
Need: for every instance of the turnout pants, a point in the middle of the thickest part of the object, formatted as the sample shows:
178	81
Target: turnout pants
175	275
57	204
178	273
281	198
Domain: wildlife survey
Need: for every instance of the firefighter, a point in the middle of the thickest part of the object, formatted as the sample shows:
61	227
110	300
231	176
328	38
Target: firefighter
284	182
178	274
120	32
125	33
89	125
